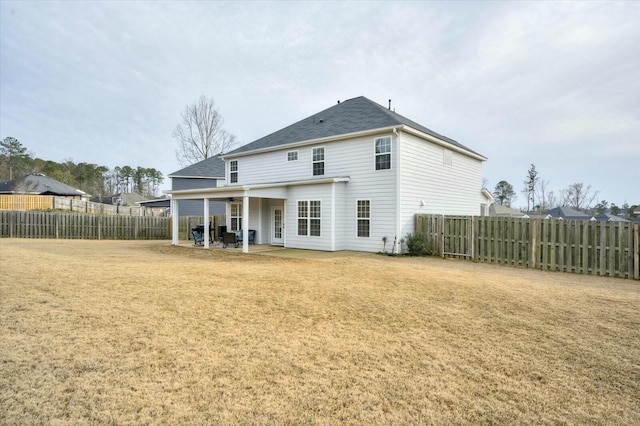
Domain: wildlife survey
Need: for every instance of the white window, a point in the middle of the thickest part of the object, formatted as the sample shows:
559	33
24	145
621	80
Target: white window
447	158
364	218
309	218
383	153
233	171
318	161
236	216
292	156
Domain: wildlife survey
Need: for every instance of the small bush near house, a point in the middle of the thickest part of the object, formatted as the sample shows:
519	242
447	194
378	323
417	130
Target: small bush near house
417	245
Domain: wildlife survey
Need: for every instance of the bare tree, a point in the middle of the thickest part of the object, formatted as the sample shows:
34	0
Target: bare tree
546	198
200	135
530	187
578	196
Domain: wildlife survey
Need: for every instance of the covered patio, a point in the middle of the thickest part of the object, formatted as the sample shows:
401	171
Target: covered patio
260	207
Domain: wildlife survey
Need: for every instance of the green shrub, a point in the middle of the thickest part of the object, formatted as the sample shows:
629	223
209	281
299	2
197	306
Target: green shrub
417	245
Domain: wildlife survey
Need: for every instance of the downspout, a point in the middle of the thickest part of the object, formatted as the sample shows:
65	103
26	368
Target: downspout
398	194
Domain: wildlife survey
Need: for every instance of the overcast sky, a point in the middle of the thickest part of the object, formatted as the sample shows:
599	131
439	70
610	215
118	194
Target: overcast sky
556	84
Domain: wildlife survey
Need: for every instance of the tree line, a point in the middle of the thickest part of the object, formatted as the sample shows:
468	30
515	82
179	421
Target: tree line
540	197
94	179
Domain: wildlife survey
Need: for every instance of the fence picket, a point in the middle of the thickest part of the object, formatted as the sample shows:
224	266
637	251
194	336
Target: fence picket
575	246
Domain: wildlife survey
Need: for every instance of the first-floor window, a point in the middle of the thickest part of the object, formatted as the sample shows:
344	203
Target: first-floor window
236	216
309	218
364	218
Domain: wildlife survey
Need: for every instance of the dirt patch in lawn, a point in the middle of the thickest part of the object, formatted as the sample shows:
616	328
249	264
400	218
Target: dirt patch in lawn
143	332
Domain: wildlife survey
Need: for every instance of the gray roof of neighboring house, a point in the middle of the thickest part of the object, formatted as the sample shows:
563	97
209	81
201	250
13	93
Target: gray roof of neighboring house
610	218
568	213
351	116
37	183
212	167
126	198
504	211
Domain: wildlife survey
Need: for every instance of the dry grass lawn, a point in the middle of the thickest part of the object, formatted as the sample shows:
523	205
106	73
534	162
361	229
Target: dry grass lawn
106	332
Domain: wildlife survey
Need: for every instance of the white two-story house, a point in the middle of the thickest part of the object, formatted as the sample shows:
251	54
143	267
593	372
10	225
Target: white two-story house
343	179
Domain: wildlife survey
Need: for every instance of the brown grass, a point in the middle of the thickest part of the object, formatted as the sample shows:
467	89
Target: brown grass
108	332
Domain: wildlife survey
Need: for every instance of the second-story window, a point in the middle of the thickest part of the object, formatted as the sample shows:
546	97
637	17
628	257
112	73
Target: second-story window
292	156
233	171
318	161
383	153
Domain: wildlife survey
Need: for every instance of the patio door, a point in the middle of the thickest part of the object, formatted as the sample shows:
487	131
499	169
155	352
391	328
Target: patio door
277	219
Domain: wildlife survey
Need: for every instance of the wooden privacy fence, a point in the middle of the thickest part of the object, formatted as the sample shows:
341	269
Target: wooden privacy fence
577	246
34	224
50	202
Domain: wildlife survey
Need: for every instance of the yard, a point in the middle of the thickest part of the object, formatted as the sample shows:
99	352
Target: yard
128	332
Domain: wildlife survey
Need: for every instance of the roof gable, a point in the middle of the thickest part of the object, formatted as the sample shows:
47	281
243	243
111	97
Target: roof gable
37	183
351	116
212	167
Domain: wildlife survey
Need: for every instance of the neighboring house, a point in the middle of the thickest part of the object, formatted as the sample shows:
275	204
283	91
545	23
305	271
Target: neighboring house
207	173
39	184
568	214
498	210
120	199
343	179
606	217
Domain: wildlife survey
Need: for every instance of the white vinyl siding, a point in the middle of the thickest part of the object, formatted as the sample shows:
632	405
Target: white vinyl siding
450	190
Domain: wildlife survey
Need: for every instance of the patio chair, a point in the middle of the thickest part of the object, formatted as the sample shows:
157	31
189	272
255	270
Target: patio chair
229	238
198	236
252	236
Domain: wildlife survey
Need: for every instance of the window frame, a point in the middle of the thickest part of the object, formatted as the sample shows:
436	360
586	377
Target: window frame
362	219
377	154
237	217
310	220
233	174
297	155
314	161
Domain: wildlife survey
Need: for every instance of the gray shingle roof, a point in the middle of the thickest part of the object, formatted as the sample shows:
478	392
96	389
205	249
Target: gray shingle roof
567	213
39	184
353	115
211	167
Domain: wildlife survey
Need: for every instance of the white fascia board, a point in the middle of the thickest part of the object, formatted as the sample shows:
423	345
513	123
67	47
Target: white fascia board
240	190
195	177
311	142
441	142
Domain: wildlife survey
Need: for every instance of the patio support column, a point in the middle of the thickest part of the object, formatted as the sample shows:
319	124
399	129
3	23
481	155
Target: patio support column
175	223
206	223
245	223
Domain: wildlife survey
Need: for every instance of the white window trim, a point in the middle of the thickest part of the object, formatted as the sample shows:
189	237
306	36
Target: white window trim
238	217
360	218
291	152
390	153
231	172
324	160
308	218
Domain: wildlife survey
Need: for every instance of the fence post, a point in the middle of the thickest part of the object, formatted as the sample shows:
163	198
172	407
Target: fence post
534	242
441	236
636	254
